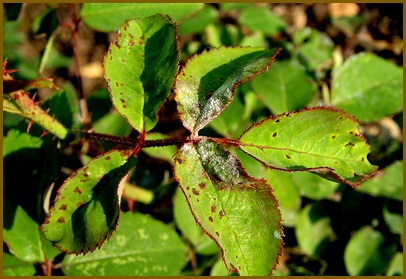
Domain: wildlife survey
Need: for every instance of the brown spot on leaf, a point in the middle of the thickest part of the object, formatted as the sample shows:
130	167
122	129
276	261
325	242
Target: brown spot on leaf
63	207
350	144
79	204
221	214
195	191
218	234
362	159
107	158
287	156
85	175
274	134
77	191
333	137
124	106
277	121
122	100
213	208
210	219
202	185
61	220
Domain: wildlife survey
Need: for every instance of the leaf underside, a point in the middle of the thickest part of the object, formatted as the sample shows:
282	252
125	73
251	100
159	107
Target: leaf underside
322	140
86	209
206	85
237	211
140	69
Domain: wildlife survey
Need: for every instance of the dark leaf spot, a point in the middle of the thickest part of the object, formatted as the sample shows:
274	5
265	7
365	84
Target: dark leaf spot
333	137
236	256
202	185
122	100
107	158
218	234
274	134
221	214
63	207
350	144
124	106
362	159
287	156
195	191
61	220
83	180
85	175
77	191
210	219
213	208
277	121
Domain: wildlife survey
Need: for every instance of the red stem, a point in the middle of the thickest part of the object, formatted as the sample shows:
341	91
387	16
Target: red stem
140	142
76	55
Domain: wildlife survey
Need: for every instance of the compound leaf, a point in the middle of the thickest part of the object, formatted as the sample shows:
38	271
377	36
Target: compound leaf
206	85
237	211
86	209
322	140
140	68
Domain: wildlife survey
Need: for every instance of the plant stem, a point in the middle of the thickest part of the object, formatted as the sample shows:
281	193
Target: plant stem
35	113
76	55
158	142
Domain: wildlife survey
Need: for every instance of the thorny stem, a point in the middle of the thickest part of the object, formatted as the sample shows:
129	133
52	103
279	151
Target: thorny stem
156	143
75	44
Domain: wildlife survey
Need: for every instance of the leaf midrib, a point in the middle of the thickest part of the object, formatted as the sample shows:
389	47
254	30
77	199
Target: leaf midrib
297	151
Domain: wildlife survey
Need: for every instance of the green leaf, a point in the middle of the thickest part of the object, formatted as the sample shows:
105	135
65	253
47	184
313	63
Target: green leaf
109	16
206	85
394	221
15	267
231	122
313	186
365	253
238	211
21	234
86	209
396	265
313	230
322	140
113	124
285	87
141	246
387	183
217	35
196	23
26	159
368	87
187	224
62	106
314	50
261	18
287	194
140	69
